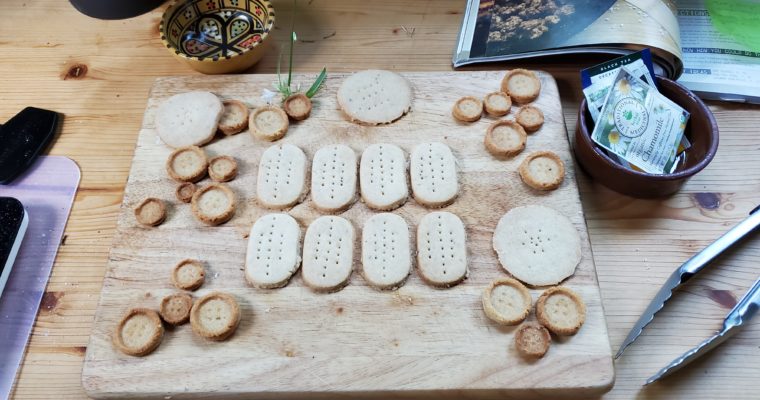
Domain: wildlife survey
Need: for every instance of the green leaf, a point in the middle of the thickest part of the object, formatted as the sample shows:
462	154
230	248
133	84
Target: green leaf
317	83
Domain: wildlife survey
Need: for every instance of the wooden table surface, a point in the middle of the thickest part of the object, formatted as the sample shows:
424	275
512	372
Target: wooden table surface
98	74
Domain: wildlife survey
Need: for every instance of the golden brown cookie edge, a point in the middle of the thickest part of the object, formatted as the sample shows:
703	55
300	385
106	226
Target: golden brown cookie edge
528	179
542	317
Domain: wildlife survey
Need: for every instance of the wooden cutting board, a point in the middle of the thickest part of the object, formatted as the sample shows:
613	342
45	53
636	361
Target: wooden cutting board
292	342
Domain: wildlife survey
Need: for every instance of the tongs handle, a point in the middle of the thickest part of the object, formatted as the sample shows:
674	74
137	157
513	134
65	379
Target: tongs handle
735	234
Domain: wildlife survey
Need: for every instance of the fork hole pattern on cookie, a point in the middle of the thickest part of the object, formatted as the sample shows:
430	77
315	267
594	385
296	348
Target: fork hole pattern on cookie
333	178
272	256
441	249
382	175
328	253
281	177
386	256
433	174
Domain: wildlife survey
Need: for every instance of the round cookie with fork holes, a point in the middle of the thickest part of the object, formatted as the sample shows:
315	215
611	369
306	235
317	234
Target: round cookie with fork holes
139	332
151	212
375	97
537	245
542	170
505	139
215	316
506	301
523	86
561	310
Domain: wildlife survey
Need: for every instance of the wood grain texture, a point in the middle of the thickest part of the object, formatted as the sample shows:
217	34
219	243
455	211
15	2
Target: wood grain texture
637	243
359	340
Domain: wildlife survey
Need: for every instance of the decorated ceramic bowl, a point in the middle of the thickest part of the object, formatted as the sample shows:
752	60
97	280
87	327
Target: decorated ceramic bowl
217	36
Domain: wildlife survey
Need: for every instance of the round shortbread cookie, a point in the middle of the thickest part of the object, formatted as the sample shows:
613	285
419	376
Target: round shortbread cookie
561	310
297	106
497	104
185	191
150	212
521	85
188	119
441	249
532	340
268	123
375	97
282	176
328	253
505	139
188	274
273	253
214	204
433	173
139	332
531	118
234	117
382	177
175	308
215	316
537	245
386	254
333	178
222	168
187	164
506	301
542	170
467	109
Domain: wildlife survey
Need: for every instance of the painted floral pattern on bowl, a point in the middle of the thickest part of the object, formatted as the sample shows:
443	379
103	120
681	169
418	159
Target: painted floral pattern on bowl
216	29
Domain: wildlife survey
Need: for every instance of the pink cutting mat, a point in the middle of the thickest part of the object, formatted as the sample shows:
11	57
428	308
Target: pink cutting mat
47	191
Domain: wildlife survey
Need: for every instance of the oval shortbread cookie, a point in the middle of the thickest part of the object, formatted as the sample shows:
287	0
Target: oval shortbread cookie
433	173
441	249
139	332
328	253
188	119
386	256
274	248
375	97
282	176
382	177
333	178
506	301
537	245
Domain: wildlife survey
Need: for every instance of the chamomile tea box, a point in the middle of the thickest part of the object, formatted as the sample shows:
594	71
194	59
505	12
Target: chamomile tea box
640	125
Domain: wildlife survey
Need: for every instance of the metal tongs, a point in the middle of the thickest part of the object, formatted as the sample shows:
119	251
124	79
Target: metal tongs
738	316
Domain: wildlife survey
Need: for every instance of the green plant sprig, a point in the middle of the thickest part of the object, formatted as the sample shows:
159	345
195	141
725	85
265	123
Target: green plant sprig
284	87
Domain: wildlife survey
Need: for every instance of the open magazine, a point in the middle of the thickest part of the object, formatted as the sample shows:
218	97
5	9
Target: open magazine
682	36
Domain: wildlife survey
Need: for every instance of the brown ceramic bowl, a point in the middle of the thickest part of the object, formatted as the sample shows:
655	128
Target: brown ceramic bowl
701	130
